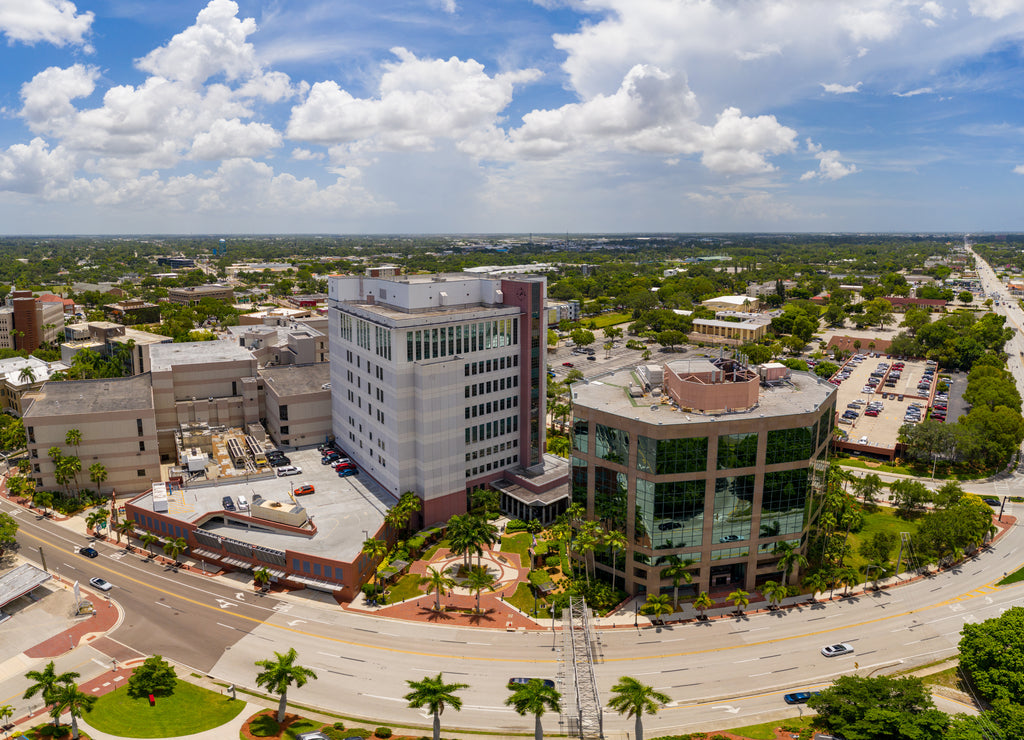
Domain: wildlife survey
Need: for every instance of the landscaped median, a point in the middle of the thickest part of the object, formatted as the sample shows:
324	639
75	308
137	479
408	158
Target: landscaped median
264	725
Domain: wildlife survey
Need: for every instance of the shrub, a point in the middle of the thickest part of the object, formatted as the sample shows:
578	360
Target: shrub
382	732
553	561
515	525
339	725
154	676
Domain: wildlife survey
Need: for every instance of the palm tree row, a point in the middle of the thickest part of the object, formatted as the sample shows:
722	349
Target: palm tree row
60	693
630	697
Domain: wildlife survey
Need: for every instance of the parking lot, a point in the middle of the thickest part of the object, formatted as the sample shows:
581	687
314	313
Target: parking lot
619	357
868	382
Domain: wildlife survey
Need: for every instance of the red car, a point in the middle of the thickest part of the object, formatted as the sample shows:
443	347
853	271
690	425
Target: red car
567	364
870	412
304	490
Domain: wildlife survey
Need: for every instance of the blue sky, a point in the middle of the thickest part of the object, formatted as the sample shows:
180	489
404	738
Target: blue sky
120	116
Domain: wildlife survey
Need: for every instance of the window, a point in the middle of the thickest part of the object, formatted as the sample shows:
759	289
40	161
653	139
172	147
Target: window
579	482
734	497
790	445
581	436
142	445
284	429
140	473
610	498
737	451
669	515
611	444
283	413
784	503
671	456
138	426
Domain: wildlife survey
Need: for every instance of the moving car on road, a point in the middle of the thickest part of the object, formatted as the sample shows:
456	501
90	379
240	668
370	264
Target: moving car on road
840	648
89	552
100	584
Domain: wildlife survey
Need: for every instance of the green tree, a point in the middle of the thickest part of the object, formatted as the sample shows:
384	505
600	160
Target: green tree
148	538
534	698
260	577
616	542
98	475
155	676
97	519
8	532
126	528
44	500
657	606
437	582
67	697
582	337
174	548
703	602
878	708
909	496
435	695
790	559
375	549
775	592
477	580
46	682
635	699
868	488
740	599
671	338
677	570
278	674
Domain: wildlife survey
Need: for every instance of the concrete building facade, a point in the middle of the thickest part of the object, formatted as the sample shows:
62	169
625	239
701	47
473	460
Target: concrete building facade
118	430
27	323
298	403
713	466
192	295
439	383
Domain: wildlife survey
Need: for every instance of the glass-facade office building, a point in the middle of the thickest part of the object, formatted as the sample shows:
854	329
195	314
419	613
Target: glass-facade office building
719	487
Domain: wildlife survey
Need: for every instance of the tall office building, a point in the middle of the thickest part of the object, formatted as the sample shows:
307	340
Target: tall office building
701	461
439	383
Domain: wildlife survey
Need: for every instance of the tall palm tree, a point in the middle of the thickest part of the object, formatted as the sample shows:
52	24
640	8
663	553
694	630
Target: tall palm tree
616	542
477	580
586	542
148	538
27	375
68	697
703	602
278	674
486	534
790	559
6	712
437	581
47	681
657	606
260	577
96	518
740	599
435	695
775	592
126	528
375	550
461	537
43	499
635	699
98	474
817	581
410	503
534	698
174	548
677	571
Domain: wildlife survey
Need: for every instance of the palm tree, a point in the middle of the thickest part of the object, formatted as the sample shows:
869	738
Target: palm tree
817	581
677	571
435	695
27	375
740	599
703	602
657	606
260	577
44	500
586	542
846	577
6	712
98	474
486	534
47	682
438	581
534	698
790	559
67	696
278	674
477	580
97	518
127	528
775	592
174	548
148	538
635	699
616	542
410	503
375	550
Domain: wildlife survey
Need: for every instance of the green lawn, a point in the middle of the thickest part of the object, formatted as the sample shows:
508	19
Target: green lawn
522	599
518	544
407	587
1016	576
188	710
766	730
609	319
882	520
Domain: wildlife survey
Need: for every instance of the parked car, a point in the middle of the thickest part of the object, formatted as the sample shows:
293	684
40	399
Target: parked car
591	357
666	526
304	490
100	584
227	503
346	472
329	458
567	364
288	470
992	501
89	552
840	648
243	503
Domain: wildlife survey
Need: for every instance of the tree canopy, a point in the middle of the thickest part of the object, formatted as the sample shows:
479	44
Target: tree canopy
879	708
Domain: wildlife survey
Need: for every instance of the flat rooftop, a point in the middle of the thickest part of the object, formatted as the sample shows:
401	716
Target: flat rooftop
289	380
92	396
398	315
165	356
801	393
345	510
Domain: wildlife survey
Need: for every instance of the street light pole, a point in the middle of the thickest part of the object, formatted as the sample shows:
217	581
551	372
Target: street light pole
636	615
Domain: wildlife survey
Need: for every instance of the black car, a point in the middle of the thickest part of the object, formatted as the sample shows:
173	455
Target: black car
990	500
278	461
798	697
227	503
89	552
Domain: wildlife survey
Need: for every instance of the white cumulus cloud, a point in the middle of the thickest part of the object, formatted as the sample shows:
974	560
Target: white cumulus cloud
56	22
996	9
1019	169
837	89
227	139
829	166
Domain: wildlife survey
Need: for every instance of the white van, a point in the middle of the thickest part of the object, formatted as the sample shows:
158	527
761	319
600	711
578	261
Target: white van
243	505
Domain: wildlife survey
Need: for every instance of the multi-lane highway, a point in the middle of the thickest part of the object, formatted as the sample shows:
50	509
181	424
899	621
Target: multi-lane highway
727	672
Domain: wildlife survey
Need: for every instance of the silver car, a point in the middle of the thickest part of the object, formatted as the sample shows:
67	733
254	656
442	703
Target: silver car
841	648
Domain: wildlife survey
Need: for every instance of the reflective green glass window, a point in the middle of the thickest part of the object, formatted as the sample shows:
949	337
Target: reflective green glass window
734	498
669	515
579	482
672	456
581	435
790	445
611	444
785	503
610	498
737	451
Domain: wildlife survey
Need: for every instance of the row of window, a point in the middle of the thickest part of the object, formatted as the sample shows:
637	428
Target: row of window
491	429
491	406
491	386
496	465
316	569
690	455
488	451
461	339
486	366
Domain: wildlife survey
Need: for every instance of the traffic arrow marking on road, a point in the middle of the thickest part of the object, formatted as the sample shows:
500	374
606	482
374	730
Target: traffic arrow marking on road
296	621
224	603
240	596
727	707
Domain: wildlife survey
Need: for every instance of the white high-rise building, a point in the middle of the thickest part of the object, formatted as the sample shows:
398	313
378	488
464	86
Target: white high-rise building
438	381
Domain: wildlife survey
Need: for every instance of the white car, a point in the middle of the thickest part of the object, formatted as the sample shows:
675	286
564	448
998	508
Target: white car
100	584
841	648
289	470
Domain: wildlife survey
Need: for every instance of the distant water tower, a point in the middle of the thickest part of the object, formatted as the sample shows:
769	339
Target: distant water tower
223	247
